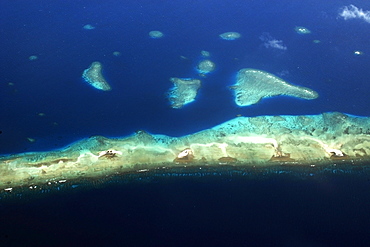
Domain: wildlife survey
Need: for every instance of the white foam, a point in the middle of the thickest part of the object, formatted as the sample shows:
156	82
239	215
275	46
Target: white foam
277	44
270	42
352	12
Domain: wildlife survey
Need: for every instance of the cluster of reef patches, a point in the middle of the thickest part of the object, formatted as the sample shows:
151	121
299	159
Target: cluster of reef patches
251	85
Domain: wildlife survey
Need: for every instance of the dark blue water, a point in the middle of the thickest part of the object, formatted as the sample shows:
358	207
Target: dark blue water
52	84
218	211
180	212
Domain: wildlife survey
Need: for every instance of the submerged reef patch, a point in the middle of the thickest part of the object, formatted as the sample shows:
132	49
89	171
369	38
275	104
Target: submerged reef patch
88	27
252	85
156	34
32	58
311	140
230	36
116	53
184	91
94	77
206	66
205	53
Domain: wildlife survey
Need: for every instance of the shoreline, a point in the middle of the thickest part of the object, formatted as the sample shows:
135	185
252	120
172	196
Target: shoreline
313	140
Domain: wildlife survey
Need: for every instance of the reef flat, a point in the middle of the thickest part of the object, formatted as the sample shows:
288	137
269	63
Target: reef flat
306	140
93	75
230	36
252	85
206	66
184	91
156	34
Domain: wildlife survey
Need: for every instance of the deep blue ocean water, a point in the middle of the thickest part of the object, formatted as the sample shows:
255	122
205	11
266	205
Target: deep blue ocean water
220	212
72	109
183	211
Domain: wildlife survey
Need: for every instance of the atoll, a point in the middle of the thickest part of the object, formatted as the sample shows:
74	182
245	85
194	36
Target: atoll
252	85
94	77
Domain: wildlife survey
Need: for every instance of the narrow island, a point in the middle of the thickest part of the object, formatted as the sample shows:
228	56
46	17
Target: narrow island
244	142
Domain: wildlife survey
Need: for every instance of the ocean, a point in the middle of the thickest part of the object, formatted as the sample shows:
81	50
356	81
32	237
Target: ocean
45	105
